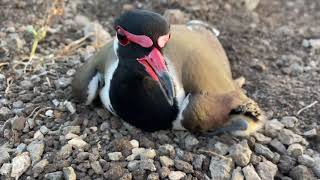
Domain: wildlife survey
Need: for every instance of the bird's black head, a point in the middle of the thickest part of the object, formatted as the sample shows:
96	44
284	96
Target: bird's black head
141	35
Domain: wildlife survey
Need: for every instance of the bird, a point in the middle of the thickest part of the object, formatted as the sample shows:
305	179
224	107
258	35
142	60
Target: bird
156	76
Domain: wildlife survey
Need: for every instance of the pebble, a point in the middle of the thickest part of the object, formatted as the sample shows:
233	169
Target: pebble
176	175
18	123
310	133
175	16
237	174
251	4
5	169
166	149
4	112
250	173
306	160
274	124
220	167
71	72
301	172
115	156
36	149
286	163
264	151
69	174
278	146
262	138
20	164
289	121
190	141
287	137
141	165
164	172
183	166
241	153
166	161
44	130
49	113
69	106
17	104
39	167
79	143
198	161
71	136
38	135
62	82
148	154
96	167
153	176
267	170
55	102
295	150
58	175
315	43
26	84
135	152
316	167
65	151
221	148
5	156
114	173
134	143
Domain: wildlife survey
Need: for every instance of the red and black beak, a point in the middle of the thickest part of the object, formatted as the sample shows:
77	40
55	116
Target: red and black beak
155	66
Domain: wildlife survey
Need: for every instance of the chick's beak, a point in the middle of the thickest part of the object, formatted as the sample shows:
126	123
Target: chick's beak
155	66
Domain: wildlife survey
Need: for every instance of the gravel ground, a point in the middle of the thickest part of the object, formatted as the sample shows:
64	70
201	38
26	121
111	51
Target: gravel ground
45	134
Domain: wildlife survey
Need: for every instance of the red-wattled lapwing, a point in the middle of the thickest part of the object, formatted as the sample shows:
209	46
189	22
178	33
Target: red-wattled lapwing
158	77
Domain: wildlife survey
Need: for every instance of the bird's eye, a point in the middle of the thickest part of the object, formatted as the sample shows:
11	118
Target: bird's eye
123	40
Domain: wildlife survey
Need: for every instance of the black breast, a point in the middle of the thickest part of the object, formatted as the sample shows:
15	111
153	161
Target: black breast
139	101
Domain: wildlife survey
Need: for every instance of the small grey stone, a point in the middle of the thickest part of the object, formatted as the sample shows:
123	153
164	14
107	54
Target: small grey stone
301	172
306	43
278	146
237	174
190	141
96	167
251	4
79	143
62	82
71	129
69	173
289	121
17	104
134	143
306	160
183	166
6	169
274	124
166	161
240	153
39	167
65	151
267	170
286	163
287	137
221	148
255	159
58	175
310	133
71	72
18	123
20	164
264	151
250	173
44	130
153	176
26	84
126	176
316	167
36	149
115	156
69	106
164	172
315	43
115	172
166	149
5	156
142	165
49	113
176	175
220	167
295	150
262	138
148	154
135	152
4	112
198	161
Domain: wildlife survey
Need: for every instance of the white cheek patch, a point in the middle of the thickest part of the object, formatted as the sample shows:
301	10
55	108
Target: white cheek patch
177	124
93	88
